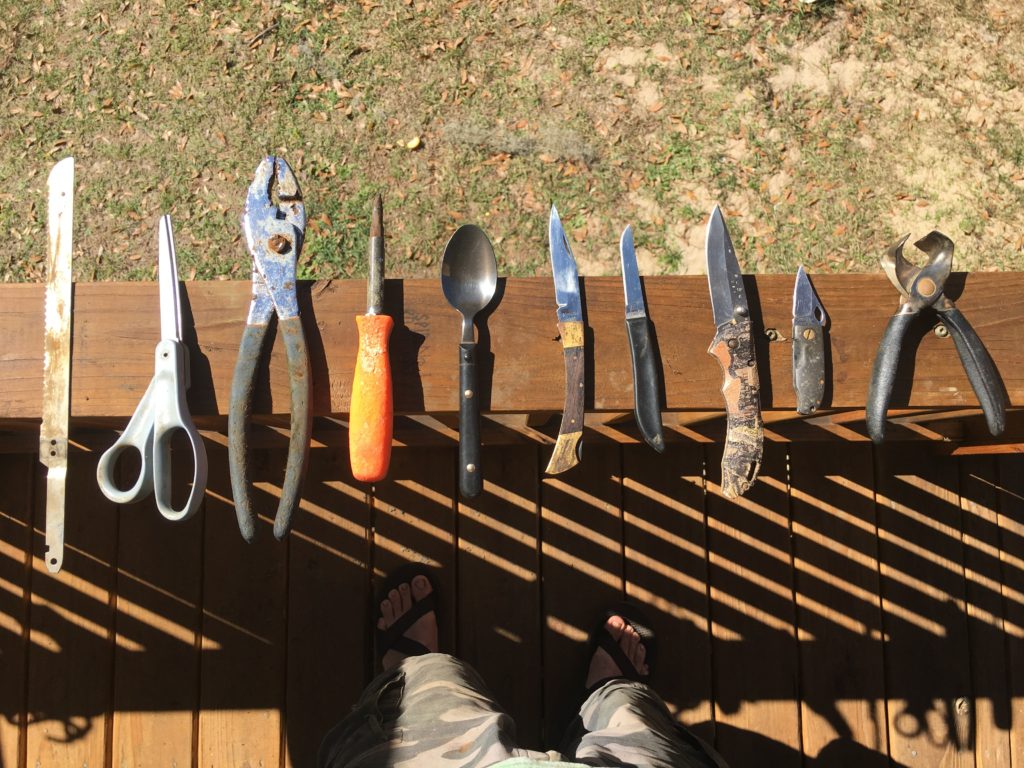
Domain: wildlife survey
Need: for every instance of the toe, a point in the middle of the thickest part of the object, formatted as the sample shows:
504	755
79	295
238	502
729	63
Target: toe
387	614
615	625
421	587
406	594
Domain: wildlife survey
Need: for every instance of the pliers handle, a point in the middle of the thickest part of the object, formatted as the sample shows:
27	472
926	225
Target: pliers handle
923	288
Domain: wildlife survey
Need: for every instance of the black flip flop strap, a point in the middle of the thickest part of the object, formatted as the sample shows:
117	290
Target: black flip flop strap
394	636
612	647
408	646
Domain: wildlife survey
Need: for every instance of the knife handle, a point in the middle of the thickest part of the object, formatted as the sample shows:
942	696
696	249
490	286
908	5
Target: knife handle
646	397
808	366
568	448
733	347
371	413
471	480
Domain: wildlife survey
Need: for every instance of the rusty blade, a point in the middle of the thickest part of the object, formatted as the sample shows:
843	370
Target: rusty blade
53	435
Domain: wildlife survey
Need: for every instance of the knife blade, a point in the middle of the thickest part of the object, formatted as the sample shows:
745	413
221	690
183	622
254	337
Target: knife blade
733	347
809	321
646	384
53	434
568	448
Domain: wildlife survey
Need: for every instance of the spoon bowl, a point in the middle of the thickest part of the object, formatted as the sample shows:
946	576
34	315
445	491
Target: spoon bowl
469	274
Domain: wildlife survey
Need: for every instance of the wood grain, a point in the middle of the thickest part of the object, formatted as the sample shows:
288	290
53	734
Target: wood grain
1011	547
666	571
70	664
839	614
499	585
116	326
927	652
16	478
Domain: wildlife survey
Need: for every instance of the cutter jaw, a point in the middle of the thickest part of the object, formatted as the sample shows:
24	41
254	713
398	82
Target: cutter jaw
920	287
274	234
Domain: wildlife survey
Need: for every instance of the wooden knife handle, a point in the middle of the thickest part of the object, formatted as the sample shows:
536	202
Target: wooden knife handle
568	448
733	347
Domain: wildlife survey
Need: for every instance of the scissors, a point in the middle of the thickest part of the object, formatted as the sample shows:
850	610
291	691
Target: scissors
163	410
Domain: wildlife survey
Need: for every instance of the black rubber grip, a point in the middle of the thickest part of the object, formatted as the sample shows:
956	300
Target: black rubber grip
808	366
988	386
883	375
471	480
646	394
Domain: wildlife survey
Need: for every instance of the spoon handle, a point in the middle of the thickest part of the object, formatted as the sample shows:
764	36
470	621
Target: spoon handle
471	480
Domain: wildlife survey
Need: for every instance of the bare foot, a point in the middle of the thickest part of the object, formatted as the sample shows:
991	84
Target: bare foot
398	602
602	666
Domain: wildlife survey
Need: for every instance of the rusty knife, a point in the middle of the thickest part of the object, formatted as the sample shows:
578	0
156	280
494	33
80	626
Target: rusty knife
733	347
568	448
53	434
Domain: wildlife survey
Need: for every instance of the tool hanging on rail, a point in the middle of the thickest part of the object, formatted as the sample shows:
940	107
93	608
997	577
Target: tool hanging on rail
809	320
371	410
274	234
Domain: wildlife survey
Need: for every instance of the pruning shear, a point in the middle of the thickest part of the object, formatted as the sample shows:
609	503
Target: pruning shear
923	288
273	233
163	410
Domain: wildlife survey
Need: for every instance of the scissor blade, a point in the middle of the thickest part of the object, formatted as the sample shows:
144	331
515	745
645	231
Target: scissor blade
635	306
805	300
563	267
170	300
724	277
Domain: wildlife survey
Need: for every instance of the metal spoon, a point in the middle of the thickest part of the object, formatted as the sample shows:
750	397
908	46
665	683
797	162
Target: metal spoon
469	275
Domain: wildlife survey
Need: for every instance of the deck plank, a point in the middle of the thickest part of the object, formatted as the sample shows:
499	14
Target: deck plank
666	571
329	648
839	614
989	671
72	627
243	660
414	522
753	616
928	686
499	584
1011	556
582	572
156	659
17	473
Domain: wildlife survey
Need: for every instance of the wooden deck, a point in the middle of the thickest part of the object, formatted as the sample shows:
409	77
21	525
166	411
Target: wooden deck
861	607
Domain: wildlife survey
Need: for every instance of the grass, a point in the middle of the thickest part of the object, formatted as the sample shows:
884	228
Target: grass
169	108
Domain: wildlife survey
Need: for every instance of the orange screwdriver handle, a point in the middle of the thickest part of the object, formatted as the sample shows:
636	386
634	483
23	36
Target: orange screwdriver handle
371	410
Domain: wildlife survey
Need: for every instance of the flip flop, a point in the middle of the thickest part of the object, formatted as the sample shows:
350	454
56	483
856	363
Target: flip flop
600	637
393	638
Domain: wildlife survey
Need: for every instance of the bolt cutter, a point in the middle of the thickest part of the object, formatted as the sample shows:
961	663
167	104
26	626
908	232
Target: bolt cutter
273	233
923	288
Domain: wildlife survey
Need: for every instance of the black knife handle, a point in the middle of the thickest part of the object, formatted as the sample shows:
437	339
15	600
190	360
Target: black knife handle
646	394
808	366
471	480
883	375
981	371
733	347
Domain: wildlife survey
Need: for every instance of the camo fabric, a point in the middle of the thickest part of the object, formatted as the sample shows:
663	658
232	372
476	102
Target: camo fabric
434	711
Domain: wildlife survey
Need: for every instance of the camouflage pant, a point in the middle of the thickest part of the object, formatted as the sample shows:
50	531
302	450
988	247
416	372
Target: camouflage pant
434	710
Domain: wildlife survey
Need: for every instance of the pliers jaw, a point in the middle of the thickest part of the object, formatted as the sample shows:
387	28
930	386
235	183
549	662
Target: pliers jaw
920	287
274	234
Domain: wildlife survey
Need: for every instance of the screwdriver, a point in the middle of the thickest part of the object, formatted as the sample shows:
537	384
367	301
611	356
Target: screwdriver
371	409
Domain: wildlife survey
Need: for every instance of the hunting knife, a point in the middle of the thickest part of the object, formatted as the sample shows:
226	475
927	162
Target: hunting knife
733	347
53	434
809	321
568	448
646	395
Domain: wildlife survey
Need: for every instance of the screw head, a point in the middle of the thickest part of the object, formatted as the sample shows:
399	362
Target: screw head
279	244
468	394
809	333
471	468
941	331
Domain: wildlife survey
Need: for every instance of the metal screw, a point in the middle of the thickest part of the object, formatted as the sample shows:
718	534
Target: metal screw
732	343
926	286
471	468
279	244
468	394
772	334
808	333
941	331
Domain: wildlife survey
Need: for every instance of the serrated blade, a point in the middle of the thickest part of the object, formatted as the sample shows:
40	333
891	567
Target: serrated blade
724	277
563	269
635	306
53	434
